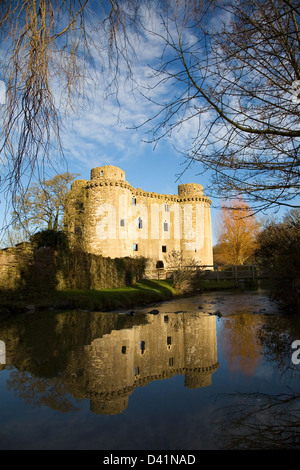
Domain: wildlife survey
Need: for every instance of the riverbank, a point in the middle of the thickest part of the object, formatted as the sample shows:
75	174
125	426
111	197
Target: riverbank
141	294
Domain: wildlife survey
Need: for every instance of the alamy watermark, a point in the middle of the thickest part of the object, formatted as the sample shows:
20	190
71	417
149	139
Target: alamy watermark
2	92
296	92
2	352
154	222
296	354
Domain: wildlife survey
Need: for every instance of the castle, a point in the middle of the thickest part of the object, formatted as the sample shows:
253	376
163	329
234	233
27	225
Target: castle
108	357
108	217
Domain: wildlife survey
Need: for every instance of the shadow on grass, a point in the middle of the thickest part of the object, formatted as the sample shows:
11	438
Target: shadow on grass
164	287
140	294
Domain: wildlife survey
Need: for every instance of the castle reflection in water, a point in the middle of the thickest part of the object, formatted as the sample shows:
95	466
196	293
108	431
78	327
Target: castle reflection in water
169	344
104	357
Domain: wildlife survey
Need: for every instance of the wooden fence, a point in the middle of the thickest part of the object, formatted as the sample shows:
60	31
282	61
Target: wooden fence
234	272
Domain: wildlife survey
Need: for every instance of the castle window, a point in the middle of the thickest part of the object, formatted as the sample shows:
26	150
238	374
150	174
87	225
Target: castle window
142	347
169	340
166	207
166	319
122	222
101	172
159	264
135	247
123	349
166	226
171	361
133	202
140	223
164	249
136	371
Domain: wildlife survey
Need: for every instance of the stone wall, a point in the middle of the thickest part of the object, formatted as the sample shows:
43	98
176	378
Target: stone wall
81	270
24	268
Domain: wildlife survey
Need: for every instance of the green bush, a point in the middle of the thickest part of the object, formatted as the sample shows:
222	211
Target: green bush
279	253
57	240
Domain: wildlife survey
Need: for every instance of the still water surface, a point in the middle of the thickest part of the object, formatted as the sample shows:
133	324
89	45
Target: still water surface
210	372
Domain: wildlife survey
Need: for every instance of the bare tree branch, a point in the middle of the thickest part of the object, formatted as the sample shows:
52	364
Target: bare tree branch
233	67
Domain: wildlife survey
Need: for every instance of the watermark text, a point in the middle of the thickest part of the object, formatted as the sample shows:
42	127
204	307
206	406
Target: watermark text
296	354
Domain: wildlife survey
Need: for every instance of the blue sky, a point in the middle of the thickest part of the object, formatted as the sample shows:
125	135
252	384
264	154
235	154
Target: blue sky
156	169
102	131
98	139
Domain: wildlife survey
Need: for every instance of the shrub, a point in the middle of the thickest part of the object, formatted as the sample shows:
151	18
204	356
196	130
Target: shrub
57	240
279	251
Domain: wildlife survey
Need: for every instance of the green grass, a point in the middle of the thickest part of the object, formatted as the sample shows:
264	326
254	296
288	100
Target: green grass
143	293
109	299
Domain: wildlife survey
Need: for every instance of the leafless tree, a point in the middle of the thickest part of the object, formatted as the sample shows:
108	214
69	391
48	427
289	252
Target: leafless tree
261	421
47	54
233	68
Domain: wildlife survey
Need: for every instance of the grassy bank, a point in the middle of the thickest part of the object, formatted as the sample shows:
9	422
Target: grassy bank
142	293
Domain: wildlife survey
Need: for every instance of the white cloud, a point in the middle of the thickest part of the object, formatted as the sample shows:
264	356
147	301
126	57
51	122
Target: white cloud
103	132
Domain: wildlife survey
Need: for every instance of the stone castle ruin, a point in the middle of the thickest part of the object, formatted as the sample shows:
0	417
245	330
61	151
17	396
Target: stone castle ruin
106	358
107	216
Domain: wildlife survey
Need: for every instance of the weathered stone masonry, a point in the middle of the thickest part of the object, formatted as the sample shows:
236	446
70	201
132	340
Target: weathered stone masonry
108	217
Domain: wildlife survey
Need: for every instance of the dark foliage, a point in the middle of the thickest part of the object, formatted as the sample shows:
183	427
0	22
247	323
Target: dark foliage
57	240
279	250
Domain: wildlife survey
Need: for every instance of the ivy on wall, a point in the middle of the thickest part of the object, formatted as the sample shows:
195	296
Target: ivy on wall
48	263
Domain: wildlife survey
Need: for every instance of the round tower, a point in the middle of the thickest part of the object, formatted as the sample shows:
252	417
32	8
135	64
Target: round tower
108	172
190	189
106	222
196	379
196	241
78	184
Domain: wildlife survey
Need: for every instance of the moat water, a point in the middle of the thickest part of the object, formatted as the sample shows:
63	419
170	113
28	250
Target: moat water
216	371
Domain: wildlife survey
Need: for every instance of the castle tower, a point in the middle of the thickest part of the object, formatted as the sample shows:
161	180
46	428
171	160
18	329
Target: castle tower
164	346
196	241
108	217
108	172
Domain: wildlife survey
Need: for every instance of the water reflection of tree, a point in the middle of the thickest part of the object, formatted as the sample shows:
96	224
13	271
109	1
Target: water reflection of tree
40	391
239	342
276	337
262	420
41	347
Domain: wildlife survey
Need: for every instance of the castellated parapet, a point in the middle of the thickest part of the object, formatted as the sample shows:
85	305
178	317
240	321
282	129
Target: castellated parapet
109	217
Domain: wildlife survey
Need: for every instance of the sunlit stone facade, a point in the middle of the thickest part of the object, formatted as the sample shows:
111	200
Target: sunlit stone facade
107	216
104	357
168	345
